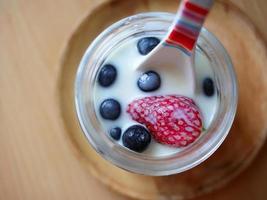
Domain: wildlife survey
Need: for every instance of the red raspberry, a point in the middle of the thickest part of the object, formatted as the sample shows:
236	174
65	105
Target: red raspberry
173	120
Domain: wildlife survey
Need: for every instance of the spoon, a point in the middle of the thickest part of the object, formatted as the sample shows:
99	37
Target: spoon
175	53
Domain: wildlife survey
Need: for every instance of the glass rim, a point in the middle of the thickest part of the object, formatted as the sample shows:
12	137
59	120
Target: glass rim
118	153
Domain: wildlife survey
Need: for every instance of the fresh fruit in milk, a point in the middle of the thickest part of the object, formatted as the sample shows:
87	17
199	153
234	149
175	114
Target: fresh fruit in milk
136	138
172	120
147	44
148	112
149	81
115	133
110	109
107	75
208	87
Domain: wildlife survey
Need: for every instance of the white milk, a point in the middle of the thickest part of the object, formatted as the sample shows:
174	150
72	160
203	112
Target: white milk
125	58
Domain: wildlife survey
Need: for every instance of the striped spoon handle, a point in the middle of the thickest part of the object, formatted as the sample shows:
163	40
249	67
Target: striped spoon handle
189	20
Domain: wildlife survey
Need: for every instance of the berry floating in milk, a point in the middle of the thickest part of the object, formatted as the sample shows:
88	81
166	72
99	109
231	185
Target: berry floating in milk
136	138
147	44
115	133
149	81
110	109
144	111
172	120
107	75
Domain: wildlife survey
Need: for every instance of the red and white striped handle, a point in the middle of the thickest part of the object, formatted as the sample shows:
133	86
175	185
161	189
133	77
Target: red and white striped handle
189	20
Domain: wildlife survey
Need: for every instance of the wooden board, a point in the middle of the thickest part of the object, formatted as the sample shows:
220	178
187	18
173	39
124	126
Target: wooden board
38	160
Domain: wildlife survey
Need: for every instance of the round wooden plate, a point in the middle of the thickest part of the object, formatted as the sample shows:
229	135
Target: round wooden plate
247	135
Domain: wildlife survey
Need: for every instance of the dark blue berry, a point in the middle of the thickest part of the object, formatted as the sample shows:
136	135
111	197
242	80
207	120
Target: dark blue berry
145	45
136	138
110	109
208	87
115	133
107	75
149	81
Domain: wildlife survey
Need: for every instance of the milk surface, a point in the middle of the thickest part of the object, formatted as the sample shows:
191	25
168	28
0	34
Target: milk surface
125	58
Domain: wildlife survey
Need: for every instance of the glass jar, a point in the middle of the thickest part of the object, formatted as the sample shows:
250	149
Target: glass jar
146	24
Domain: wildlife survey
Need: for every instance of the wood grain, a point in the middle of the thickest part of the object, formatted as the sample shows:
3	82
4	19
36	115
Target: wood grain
37	159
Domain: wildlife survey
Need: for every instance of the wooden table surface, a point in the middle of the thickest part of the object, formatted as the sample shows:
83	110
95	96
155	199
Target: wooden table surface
36	160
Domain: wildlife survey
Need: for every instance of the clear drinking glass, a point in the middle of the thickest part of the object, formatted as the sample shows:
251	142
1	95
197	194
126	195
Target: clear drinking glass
147	24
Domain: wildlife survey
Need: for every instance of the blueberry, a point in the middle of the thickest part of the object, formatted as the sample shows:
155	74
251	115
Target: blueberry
149	81
107	75
110	109
136	138
208	87
115	133
145	45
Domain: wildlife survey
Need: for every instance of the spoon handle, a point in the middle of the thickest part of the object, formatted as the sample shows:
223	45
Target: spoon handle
188	23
